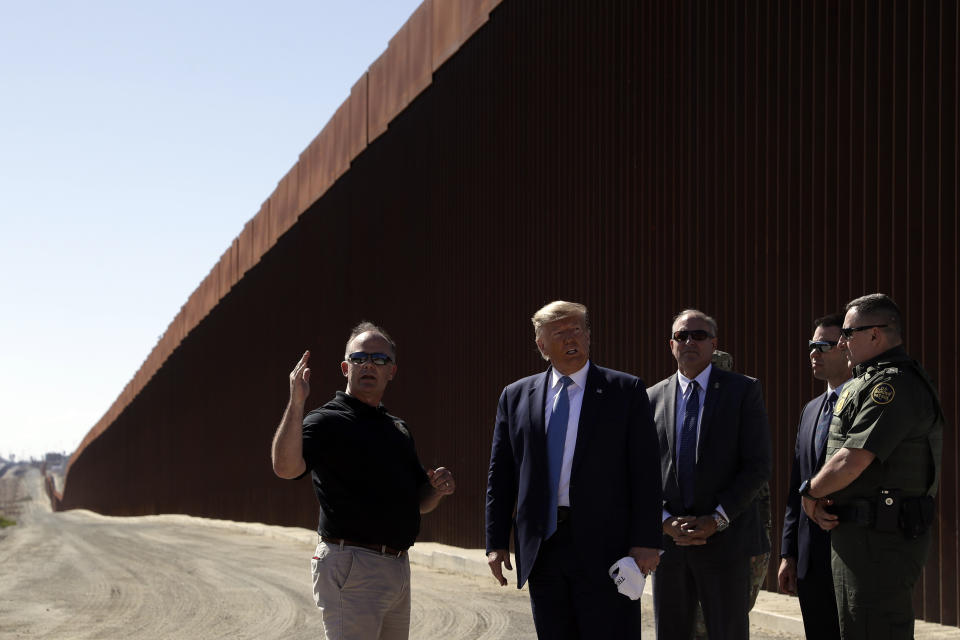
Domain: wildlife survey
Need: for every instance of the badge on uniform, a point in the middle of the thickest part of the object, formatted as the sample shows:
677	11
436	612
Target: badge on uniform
840	402
882	393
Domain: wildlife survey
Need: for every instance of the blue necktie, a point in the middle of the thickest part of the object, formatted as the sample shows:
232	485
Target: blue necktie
823	426
687	448
556	435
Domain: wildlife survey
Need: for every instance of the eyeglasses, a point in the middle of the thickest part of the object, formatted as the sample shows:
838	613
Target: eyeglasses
821	345
696	334
360	357
847	332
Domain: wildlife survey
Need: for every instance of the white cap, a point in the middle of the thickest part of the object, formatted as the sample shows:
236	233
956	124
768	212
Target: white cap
628	577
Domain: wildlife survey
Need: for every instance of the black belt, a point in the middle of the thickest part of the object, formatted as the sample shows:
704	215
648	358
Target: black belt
563	514
382	549
859	512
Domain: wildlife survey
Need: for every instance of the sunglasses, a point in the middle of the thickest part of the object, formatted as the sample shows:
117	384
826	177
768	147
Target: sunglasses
821	345
696	334
847	332
360	357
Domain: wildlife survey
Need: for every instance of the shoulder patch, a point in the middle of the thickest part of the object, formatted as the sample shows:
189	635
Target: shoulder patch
883	393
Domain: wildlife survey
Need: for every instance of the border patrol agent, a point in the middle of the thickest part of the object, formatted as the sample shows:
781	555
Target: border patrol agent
876	490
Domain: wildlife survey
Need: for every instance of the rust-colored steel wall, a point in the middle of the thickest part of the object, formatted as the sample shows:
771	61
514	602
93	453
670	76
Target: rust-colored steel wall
765	162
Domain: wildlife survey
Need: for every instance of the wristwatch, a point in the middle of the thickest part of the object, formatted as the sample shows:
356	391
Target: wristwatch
720	521
805	490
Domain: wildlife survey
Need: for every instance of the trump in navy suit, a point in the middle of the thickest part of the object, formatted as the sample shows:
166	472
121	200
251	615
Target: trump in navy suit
805	547
715	457
574	474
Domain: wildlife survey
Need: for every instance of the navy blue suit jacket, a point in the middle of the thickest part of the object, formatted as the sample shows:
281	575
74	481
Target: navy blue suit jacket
733	459
614	482
803	539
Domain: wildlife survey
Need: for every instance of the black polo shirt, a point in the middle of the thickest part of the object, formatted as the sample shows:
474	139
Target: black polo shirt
365	471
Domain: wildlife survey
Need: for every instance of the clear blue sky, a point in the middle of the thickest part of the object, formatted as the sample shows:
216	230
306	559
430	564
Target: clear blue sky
136	140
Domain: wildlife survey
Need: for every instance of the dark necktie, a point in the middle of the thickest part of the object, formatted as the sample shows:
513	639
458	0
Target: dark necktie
823	426
556	435
687	449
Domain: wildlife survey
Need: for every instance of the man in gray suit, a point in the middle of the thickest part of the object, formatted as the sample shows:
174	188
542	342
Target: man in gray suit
714	458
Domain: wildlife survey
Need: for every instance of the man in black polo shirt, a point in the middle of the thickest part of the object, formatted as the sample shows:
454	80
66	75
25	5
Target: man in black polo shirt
371	488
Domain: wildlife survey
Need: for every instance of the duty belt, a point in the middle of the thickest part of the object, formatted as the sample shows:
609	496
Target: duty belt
860	512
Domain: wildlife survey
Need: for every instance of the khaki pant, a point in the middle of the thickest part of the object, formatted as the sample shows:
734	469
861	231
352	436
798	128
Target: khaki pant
363	595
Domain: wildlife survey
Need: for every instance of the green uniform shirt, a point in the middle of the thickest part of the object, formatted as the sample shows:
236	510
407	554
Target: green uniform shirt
891	409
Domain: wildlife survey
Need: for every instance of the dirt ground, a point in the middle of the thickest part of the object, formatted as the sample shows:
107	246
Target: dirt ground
78	574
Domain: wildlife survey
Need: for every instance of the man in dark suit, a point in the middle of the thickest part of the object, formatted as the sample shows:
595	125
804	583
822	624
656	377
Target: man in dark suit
714	458
575	457
805	550
876	492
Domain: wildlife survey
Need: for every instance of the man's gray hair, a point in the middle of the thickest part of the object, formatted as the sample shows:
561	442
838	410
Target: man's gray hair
880	307
696	313
365	327
558	310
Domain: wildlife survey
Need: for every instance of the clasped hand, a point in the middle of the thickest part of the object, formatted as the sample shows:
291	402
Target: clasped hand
816	510
688	531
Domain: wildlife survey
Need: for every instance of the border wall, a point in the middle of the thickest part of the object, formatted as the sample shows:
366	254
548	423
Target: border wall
765	162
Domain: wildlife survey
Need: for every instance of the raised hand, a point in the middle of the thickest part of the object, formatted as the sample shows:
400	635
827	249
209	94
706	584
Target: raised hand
300	380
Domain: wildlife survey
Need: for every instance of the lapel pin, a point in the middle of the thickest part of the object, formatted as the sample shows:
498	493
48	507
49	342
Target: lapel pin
716	385
599	390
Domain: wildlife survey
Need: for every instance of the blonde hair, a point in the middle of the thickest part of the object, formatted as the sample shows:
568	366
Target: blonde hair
558	310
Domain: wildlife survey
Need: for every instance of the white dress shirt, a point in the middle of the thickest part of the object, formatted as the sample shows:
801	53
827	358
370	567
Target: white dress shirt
838	390
575	394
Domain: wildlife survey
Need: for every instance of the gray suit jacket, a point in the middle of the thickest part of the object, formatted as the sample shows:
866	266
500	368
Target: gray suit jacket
733	458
